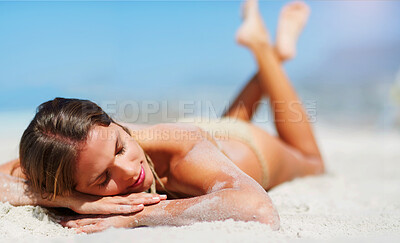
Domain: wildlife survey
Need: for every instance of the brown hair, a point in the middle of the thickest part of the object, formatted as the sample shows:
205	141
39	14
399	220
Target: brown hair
50	146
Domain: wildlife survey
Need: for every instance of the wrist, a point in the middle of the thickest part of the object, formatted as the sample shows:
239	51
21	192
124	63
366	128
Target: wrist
71	201
45	202
144	217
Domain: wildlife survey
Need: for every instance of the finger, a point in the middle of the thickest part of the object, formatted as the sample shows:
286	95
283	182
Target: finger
92	228
146	195
64	219
147	199
83	222
68	223
144	201
161	196
123	209
132	200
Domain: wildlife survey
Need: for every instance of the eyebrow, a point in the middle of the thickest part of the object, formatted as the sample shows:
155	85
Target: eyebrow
91	182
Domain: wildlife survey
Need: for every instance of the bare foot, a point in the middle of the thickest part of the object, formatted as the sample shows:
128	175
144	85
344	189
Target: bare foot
252	30
292	20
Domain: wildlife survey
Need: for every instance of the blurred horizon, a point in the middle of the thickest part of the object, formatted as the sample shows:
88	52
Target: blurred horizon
348	55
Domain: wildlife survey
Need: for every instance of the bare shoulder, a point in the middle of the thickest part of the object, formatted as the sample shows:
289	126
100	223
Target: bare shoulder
205	169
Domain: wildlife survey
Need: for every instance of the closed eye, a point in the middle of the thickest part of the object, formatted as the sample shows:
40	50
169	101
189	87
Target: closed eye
105	182
121	151
119	148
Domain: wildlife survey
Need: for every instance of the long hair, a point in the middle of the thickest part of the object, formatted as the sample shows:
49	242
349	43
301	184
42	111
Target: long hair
50	146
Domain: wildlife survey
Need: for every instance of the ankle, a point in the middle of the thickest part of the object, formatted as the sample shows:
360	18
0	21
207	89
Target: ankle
261	46
283	57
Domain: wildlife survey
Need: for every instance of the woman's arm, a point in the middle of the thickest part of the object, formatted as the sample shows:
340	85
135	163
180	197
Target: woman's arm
240	205
15	190
237	204
224	192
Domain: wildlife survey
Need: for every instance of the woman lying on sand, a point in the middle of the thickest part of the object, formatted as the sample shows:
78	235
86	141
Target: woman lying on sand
74	155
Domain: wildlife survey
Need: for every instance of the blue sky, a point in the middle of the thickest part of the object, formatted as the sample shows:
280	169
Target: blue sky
150	50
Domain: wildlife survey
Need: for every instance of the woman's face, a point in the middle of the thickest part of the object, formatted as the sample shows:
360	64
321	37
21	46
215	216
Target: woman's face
112	162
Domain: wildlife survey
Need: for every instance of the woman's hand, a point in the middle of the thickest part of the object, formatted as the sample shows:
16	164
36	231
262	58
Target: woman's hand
124	204
97	223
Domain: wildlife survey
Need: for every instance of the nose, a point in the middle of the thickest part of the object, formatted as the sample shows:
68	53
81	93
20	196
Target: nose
125	170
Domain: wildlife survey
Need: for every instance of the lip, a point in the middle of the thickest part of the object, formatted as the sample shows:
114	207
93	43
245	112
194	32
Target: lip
140	179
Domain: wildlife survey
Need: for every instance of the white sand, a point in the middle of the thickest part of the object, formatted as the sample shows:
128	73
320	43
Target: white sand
358	199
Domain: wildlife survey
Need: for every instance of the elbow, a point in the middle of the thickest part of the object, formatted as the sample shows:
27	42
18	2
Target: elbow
258	208
265	213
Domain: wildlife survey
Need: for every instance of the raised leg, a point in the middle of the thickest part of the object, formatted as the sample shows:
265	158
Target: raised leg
246	102
292	19
295	151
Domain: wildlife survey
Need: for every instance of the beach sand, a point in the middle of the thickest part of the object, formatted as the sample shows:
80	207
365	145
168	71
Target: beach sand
357	199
